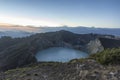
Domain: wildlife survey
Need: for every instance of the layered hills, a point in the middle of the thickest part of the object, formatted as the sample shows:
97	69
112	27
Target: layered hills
22	31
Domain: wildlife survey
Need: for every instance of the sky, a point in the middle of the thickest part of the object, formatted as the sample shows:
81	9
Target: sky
97	13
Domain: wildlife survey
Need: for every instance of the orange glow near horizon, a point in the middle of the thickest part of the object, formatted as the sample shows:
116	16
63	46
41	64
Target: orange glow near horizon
25	21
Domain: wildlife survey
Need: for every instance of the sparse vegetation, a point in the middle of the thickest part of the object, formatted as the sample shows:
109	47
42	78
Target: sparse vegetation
77	69
108	56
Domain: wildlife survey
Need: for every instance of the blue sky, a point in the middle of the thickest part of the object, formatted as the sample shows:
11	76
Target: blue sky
98	13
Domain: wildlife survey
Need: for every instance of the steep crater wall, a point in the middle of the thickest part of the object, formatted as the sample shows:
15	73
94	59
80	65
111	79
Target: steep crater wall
21	51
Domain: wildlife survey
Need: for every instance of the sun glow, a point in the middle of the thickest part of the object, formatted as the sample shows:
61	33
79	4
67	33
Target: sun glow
26	21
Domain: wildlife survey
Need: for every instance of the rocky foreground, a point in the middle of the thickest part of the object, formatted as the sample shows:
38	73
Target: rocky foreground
74	70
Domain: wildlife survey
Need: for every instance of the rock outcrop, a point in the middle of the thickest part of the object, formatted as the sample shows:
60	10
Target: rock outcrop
94	46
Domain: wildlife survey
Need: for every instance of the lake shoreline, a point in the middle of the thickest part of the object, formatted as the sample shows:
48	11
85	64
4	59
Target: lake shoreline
59	54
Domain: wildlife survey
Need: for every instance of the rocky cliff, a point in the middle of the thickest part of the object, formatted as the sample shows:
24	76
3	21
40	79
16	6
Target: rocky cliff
94	46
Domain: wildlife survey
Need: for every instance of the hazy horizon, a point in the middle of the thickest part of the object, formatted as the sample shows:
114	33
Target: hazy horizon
10	25
98	13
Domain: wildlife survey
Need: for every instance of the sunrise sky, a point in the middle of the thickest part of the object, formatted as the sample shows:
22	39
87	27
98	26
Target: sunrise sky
98	13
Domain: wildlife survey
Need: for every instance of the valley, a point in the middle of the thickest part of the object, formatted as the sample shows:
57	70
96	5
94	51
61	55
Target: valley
27	58
17	52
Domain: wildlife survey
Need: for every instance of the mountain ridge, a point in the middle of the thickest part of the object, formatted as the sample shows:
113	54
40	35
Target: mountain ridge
77	30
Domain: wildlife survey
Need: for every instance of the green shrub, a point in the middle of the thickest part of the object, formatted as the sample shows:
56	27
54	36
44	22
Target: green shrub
108	56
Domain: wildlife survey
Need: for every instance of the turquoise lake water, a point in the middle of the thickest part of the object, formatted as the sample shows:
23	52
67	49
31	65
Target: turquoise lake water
59	54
